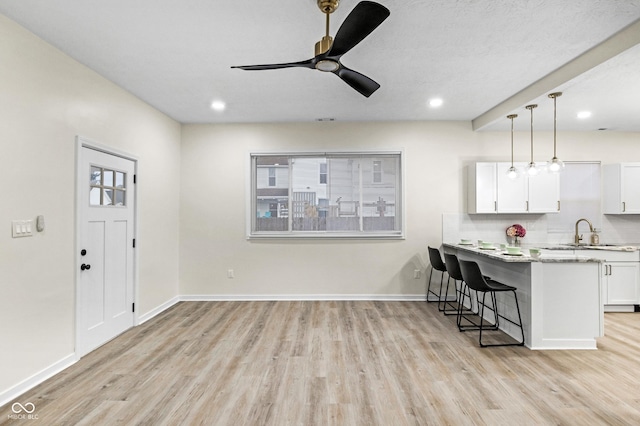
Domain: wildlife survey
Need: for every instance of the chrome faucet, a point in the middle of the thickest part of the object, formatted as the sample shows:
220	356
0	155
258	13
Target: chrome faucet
578	237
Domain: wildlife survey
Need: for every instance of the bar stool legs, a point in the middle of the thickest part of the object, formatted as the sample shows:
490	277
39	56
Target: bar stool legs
476	281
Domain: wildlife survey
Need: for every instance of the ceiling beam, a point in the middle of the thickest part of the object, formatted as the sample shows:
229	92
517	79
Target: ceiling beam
611	47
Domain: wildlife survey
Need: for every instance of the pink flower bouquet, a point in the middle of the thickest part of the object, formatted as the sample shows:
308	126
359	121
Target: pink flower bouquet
516	230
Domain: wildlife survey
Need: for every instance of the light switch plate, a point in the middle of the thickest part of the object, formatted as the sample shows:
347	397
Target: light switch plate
22	228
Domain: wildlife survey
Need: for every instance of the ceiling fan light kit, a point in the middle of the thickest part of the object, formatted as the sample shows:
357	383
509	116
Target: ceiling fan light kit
363	19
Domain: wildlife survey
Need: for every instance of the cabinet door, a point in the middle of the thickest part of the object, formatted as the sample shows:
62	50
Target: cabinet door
512	193
631	188
623	283
482	188
544	192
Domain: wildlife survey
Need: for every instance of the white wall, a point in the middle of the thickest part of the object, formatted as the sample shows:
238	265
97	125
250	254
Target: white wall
214	184
215	161
47	99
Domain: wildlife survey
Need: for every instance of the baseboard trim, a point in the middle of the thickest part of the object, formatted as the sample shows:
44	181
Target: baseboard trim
31	382
300	297
158	310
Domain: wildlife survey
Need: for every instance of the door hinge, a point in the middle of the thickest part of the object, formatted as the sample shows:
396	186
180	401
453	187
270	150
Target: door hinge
134	243
135	179
133	307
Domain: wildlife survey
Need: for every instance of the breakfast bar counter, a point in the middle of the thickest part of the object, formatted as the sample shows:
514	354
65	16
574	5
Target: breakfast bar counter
560	296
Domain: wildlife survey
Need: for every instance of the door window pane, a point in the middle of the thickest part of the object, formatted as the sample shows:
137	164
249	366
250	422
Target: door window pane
120	180
107	187
107	178
96	176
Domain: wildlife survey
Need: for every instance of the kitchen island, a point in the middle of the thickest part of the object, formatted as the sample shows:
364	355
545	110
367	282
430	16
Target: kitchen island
559	296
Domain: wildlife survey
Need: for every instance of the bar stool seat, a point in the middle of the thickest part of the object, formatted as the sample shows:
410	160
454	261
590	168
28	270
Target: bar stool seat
476	281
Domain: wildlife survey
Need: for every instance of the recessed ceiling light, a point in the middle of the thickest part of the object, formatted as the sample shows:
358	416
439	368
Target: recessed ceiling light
584	114
218	106
435	102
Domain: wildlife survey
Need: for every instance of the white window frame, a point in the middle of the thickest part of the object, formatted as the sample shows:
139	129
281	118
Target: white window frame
400	211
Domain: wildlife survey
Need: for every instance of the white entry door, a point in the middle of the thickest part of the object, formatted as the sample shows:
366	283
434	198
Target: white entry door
106	209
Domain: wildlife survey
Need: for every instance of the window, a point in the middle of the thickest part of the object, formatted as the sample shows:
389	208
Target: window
272	176
377	171
107	187
326	195
323	173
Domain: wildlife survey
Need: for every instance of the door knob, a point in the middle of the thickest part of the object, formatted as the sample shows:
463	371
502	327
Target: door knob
85	267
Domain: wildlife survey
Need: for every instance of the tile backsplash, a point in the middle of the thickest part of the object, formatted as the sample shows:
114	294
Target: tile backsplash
614	229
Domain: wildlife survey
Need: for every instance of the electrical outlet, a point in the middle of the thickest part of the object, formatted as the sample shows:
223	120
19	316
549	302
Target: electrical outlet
416	274
230	273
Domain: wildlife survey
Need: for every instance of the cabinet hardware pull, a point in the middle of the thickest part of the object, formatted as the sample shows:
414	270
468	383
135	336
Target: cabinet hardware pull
495	206
558	205
527	206
624	206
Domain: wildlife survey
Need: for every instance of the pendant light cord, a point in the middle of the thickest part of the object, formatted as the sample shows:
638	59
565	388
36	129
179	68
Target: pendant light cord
555	120
512	116
530	108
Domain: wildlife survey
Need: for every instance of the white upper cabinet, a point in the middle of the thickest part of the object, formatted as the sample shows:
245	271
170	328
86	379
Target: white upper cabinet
491	191
482	189
621	188
544	191
513	194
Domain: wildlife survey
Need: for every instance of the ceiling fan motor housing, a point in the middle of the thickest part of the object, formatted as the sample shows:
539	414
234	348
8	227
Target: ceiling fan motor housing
323	45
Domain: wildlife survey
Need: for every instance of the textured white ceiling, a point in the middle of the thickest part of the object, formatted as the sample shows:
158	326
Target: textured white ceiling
176	55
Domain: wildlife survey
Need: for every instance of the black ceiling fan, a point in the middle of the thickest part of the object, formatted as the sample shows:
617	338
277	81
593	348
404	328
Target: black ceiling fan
362	20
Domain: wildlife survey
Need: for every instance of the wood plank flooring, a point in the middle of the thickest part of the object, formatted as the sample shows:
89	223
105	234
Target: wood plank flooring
337	363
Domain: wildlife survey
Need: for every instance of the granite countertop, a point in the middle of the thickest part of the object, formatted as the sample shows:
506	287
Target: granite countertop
609	247
524	258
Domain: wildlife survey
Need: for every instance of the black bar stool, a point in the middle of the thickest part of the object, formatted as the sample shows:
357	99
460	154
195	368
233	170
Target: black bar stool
453	269
438	265
476	281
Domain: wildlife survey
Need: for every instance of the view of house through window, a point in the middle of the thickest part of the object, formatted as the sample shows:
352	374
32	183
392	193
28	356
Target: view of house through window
326	194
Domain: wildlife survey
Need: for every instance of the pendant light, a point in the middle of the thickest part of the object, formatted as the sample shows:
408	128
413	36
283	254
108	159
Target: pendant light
512	173
532	170
555	165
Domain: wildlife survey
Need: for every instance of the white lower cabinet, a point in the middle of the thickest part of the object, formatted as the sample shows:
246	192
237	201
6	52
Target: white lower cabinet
621	283
620	277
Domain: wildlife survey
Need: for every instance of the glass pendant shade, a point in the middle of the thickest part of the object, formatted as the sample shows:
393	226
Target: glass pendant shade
512	173
555	165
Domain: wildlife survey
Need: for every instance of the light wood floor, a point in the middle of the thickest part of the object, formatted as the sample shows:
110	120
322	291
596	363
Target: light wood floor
337	363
